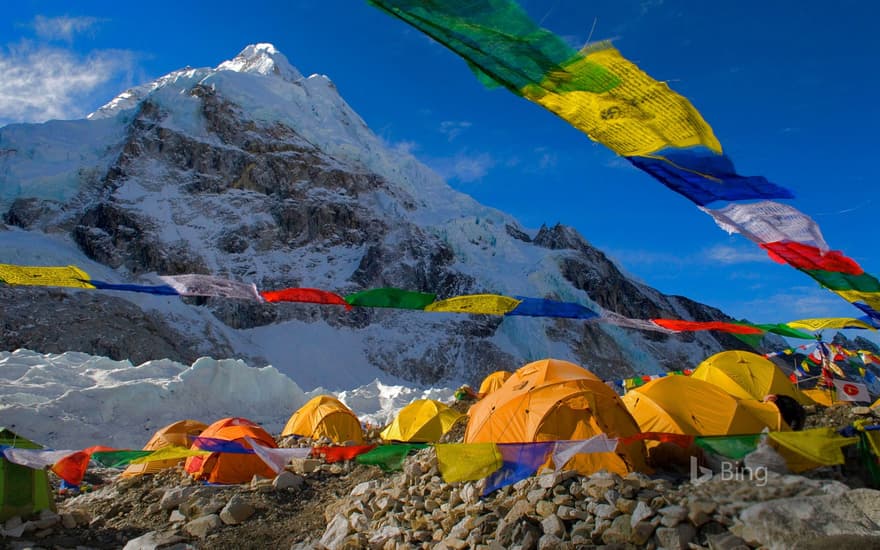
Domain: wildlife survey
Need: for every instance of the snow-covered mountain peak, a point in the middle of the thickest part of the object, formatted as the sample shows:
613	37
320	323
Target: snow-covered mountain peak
262	59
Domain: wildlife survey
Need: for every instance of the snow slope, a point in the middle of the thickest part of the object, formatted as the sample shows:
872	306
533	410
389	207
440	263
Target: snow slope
75	400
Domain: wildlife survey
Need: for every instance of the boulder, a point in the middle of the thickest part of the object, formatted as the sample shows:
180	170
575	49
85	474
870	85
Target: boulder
789	522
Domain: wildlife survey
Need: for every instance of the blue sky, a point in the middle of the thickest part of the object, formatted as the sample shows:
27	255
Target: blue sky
788	87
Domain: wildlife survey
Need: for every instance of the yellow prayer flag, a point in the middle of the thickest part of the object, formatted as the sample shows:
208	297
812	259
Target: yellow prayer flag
170	453
811	448
870	298
490	304
637	117
467	461
821	323
874	439
70	276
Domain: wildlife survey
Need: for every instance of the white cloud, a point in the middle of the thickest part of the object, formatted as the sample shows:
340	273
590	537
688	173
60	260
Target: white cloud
801	302
647	5
62	28
464	167
406	147
472	168
453	128
41	82
730	255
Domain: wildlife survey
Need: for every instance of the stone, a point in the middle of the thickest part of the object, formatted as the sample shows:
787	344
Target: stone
152	540
451	543
335	533
236	511
304	465
726	541
177	517
619	532
68	521
675	538
545	508
606	511
203	526
13	523
46	519
641	532
364	488
861	411
550	542
700	512
536	495
641	512
287	481
552	525
198	506
175	497
790	522
673	515
626	505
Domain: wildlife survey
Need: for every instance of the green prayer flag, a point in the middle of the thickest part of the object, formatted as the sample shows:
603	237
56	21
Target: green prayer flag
390	297
389	457
501	44
117	459
731	446
785	330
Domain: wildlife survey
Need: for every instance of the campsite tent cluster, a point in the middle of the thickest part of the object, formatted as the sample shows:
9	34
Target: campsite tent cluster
527	414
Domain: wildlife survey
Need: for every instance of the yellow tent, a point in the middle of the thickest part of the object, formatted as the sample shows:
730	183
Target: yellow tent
493	381
422	421
825	397
683	405
747	375
325	416
552	400
178	434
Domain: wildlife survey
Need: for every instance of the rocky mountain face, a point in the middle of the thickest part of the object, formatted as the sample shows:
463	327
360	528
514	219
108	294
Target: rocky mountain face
251	172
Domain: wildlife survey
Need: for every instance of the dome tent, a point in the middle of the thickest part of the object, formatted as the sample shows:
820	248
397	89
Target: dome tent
325	416
179	434
23	490
747	375
552	400
220	467
683	405
422	421
493	381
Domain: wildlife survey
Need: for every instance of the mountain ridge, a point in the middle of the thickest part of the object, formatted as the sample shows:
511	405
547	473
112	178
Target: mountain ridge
261	175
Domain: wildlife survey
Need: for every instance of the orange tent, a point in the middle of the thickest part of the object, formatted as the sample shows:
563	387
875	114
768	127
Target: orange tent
178	434
493	381
325	416
232	467
552	400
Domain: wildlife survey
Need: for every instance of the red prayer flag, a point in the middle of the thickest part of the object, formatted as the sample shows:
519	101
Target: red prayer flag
677	324
338	454
72	468
308	295
681	440
803	256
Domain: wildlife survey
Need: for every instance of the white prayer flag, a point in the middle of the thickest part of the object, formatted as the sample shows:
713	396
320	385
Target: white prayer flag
563	451
207	285
277	459
769	222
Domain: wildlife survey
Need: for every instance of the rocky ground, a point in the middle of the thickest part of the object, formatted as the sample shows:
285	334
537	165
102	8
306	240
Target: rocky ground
336	506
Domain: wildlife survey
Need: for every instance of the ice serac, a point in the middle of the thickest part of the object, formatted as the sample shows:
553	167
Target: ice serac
251	172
